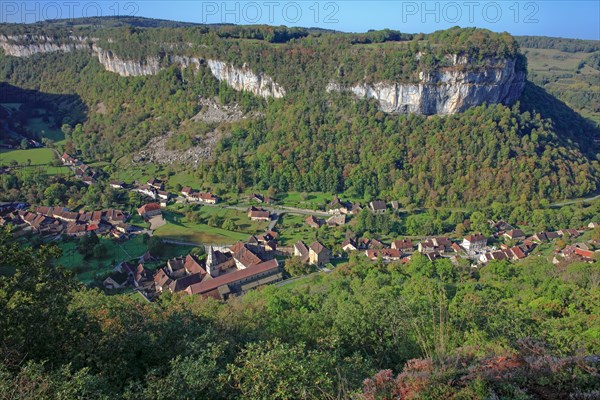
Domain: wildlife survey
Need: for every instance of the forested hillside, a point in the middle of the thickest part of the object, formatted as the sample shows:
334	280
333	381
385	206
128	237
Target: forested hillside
350	325
312	140
568	69
508	331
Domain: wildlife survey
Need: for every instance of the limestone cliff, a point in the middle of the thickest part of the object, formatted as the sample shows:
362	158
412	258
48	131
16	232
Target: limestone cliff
450	88
112	63
238	78
447	90
244	79
26	45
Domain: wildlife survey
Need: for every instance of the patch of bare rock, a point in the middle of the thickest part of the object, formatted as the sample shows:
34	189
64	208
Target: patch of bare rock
211	112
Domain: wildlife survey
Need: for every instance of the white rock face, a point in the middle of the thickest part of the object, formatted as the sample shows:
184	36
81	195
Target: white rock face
238	78
112	63
244	79
39	44
445	91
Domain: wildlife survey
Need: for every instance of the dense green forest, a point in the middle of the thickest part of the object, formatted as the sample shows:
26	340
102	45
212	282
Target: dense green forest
489	153
562	44
508	330
316	141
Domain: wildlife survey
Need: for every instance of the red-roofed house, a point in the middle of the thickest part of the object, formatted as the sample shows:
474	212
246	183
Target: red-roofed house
312	222
586	254
474	243
385	254
405	245
349	245
187	191
257	214
149	210
238	282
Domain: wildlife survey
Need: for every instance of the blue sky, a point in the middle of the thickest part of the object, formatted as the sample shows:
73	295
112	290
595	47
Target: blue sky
574	19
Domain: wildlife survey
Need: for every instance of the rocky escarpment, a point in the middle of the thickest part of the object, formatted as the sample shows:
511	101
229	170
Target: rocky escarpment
241	79
26	46
113	63
211	112
244	79
447	90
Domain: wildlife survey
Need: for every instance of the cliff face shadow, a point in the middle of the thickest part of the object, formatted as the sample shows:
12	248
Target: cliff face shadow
569	124
34	115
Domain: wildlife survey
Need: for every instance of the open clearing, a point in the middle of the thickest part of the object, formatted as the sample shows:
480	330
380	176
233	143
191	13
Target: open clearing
40	161
88	270
37	156
181	229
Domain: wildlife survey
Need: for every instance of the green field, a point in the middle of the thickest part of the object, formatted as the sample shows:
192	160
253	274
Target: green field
179	228
311	201
292	228
40	161
37	125
553	60
87	270
184	179
41	156
130	174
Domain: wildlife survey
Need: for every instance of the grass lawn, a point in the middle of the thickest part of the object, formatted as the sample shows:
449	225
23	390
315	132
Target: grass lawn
292	228
98	164
88	270
41	156
128	174
201	234
306	200
553	60
184	179
179	228
560	73
37	125
239	218
40	160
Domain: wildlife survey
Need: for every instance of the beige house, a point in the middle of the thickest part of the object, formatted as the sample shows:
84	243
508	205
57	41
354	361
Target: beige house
318	254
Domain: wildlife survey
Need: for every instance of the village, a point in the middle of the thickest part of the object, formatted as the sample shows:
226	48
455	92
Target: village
222	271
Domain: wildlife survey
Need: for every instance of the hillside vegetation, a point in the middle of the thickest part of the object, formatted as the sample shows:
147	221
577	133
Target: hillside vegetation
568	69
509	331
315	141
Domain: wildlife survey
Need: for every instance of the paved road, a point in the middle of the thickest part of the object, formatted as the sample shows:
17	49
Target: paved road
274	210
191	244
575	201
273	223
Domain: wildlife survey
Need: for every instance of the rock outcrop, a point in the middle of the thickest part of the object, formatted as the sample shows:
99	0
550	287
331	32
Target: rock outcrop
238	78
112	63
447	90
244	79
26	46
